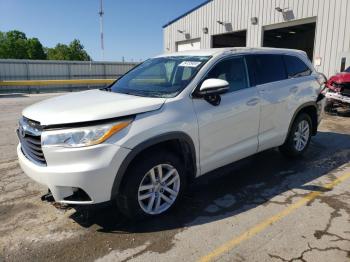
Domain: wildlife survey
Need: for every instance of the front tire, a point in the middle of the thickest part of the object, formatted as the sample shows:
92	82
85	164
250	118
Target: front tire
299	136
153	185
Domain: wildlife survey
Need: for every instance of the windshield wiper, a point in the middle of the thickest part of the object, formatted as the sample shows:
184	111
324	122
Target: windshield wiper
108	89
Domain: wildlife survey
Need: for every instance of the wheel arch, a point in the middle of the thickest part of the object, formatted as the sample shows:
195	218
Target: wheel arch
311	109
179	141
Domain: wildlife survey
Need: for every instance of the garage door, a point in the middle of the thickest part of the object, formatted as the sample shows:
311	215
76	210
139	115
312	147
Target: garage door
300	37
194	44
235	39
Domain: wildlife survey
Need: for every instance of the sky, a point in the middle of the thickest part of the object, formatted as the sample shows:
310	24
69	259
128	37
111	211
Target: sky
132	28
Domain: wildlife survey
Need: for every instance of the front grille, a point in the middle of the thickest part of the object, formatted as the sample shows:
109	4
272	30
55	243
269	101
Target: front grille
344	89
29	134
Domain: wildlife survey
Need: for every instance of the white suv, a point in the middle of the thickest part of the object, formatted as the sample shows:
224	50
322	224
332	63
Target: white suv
170	119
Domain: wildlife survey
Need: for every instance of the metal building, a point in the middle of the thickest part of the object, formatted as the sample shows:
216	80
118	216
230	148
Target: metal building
319	27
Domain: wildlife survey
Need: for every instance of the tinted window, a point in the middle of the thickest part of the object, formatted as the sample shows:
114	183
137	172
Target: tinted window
269	68
233	71
296	67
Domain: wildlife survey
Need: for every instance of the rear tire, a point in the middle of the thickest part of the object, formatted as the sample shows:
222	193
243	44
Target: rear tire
299	137
153	185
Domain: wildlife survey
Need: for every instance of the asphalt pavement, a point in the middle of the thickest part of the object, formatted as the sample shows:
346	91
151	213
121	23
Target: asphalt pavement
264	208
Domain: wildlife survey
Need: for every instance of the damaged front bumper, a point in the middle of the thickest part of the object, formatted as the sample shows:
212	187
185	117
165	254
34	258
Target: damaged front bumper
337	97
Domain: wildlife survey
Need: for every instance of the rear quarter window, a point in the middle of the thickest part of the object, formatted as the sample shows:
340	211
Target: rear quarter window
296	67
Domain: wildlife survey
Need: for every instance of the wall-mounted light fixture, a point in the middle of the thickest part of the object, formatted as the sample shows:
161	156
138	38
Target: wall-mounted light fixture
279	9
254	20
205	30
228	26
286	13
183	32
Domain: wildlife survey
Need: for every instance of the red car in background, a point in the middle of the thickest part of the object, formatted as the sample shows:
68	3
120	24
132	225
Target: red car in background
338	94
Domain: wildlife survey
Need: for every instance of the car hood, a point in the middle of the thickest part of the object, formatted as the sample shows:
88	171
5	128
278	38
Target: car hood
89	106
340	78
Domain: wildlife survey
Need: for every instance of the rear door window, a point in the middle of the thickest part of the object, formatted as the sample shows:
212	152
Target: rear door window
296	67
269	68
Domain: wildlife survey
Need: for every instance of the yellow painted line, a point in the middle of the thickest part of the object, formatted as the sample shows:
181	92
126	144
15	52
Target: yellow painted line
55	82
268	222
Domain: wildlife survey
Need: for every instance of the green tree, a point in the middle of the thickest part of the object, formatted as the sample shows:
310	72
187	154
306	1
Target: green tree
2	45
13	44
73	51
59	52
77	51
35	49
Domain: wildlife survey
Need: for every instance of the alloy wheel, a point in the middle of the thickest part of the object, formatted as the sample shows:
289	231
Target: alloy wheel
301	135
159	189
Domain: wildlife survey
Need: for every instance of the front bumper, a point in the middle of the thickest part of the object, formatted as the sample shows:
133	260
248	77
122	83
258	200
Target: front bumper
338	97
91	169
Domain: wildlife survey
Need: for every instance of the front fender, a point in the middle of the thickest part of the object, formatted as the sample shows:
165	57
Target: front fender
181	136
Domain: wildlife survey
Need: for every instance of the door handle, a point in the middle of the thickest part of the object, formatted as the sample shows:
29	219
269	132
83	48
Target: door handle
253	102
294	89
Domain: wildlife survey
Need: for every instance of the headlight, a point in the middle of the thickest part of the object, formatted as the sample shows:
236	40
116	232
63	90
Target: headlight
83	136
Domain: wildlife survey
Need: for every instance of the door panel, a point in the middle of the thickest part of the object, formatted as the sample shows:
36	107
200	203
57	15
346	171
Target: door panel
270	78
228	132
283	83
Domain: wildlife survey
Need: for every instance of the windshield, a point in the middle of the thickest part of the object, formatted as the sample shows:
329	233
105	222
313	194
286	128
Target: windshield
347	70
160	77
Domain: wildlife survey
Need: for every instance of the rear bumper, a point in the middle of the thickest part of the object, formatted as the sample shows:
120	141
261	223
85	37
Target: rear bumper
93	172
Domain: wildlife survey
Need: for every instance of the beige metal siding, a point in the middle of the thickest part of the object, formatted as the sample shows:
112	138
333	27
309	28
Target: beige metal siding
332	17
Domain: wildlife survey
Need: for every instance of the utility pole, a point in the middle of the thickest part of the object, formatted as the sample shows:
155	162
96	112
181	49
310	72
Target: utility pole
101	13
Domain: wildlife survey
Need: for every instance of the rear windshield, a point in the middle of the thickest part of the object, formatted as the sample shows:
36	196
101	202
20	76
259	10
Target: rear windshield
160	77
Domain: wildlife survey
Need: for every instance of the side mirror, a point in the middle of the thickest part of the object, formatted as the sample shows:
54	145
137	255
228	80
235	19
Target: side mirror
214	86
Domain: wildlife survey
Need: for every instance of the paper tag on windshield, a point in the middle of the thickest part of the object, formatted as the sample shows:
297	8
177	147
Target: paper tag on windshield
190	64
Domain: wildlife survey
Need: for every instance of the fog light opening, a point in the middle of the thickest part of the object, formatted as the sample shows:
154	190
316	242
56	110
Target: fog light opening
78	195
